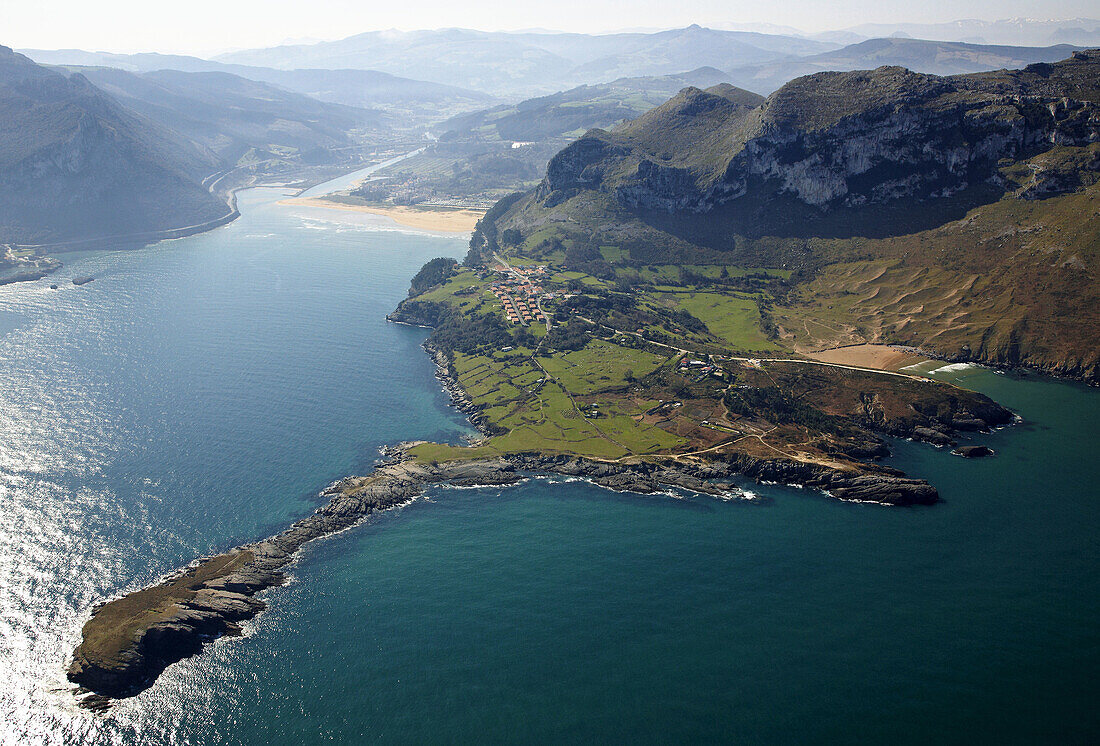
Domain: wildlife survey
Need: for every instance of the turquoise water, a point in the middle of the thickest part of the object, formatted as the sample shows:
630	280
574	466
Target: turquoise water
199	393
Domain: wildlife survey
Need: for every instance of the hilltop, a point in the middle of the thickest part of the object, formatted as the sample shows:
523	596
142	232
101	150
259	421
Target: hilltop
952	214
483	155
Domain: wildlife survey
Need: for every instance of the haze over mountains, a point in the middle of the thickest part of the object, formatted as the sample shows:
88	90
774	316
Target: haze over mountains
1011	31
449	71
919	55
518	63
361	88
232	115
288	108
75	164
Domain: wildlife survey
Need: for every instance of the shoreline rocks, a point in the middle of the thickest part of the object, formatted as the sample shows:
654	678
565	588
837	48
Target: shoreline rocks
973	451
448	379
129	641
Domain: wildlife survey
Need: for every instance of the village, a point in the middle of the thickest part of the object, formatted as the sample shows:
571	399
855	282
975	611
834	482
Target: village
520	293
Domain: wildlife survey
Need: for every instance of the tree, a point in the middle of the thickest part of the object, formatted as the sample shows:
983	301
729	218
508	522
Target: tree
435	272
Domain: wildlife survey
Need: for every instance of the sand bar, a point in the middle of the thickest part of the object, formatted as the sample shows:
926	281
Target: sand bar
880	357
426	218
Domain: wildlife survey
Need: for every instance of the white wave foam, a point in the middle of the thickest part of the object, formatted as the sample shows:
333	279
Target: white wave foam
953	368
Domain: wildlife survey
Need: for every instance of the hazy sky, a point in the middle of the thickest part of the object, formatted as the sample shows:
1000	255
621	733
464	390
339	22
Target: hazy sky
208	26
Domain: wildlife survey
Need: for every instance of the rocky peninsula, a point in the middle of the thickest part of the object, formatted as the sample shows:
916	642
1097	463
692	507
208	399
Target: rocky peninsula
744	422
129	641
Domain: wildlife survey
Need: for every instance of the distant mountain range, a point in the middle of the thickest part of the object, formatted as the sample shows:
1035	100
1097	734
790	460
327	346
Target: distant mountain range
370	89
421	75
235	117
303	105
919	55
1028	32
76	164
524	63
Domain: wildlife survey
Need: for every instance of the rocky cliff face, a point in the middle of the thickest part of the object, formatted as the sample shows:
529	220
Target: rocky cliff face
845	139
954	214
932	140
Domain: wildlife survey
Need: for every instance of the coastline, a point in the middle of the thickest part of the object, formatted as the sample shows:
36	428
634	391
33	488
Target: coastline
127	241
36	272
444	220
141	239
129	641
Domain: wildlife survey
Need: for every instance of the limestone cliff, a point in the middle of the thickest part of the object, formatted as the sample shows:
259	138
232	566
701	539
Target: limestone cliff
954	214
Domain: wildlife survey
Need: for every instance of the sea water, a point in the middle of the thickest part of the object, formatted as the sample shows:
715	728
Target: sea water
199	393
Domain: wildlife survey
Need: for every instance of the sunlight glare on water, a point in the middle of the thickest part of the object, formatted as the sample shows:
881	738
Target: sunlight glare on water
201	392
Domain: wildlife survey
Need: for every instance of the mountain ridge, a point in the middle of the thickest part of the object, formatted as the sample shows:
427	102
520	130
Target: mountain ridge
75	164
919	55
350	87
866	184
229	114
529	63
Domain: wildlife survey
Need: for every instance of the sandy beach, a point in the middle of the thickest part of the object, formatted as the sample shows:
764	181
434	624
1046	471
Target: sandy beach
426	218
880	357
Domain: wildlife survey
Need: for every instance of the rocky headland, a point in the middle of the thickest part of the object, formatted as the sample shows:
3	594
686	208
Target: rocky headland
129	641
15	268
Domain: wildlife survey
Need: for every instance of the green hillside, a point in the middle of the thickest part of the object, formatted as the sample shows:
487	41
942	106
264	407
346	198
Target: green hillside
954	214
485	154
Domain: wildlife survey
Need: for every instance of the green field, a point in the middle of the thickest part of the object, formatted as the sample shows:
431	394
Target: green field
736	319
545	417
600	365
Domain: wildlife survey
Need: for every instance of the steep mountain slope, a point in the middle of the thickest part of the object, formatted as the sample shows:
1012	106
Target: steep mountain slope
231	115
956	214
526	63
919	55
74	164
